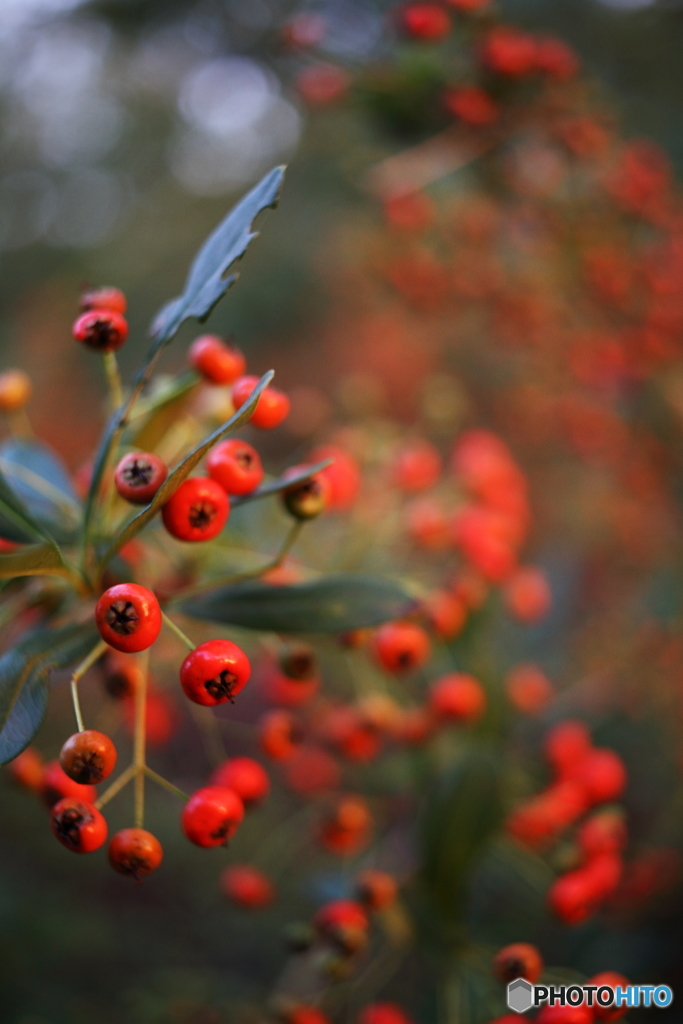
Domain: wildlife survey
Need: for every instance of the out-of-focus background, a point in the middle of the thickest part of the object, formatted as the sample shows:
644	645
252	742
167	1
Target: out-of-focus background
127	129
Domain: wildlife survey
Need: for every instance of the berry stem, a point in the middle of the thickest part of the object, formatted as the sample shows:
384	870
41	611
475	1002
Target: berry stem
111	368
139	740
178	631
161	781
78	673
116	787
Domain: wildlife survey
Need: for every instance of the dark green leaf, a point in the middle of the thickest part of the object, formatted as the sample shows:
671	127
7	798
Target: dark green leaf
333	604
206	282
275	486
16	522
24	678
462	814
40	479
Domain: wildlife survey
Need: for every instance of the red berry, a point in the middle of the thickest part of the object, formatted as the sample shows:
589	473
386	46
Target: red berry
197	511
78	825
246	886
271	409
236	466
245	777
604	832
602	775
508	51
57	785
343	475
135	852
556	59
307	499
109	298
27	769
305	1015
101	329
528	689
383	1013
280	734
217	362
139	476
401	646
527	594
417	466
612	980
519	960
319	85
128	617
428	22
458	697
472	105
214	672
376	889
88	757
211	816
566	744
347	828
344	922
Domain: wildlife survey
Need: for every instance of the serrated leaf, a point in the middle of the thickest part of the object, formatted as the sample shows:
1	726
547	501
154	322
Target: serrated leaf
183	470
275	486
32	560
333	604
42	482
462	814
206	282
24	680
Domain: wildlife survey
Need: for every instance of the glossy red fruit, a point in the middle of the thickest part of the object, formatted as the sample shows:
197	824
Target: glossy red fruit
245	777
343	922
447	613
88	757
417	466
197	511
211	816
280	734
428	22
528	689
246	886
612	980
78	825
271	409
566	744
106	297
604	832
518	960
236	466
471	105
510	52
458	697
128	617
401	646
101	329
135	852
527	594
138	477
57	785
383	1013
27	769
602	775
214	672
376	889
217	362
343	475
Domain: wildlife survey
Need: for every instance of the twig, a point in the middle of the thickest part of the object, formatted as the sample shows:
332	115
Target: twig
161	781
178	631
116	787
78	673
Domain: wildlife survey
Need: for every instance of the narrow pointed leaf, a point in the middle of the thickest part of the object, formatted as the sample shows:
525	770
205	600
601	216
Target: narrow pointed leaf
281	483
33	560
16	522
42	482
333	604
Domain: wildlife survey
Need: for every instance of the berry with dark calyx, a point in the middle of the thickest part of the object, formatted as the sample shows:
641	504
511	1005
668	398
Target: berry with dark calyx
343	922
88	757
236	466
57	785
307	499
376	889
101	329
128	617
457	697
122	674
197	511
211	816
106	297
214	672
138	477
280	734
298	661
245	777
78	825
217	362
15	390
27	769
246	886
519	960
135	852
272	407
401	646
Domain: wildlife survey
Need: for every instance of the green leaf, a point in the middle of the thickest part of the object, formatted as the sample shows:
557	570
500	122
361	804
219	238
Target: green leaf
24	680
174	479
275	486
333	604
16	522
33	560
42	482
206	282
462	814
155	415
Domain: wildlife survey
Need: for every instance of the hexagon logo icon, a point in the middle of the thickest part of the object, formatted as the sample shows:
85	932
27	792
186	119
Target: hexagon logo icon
520	995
